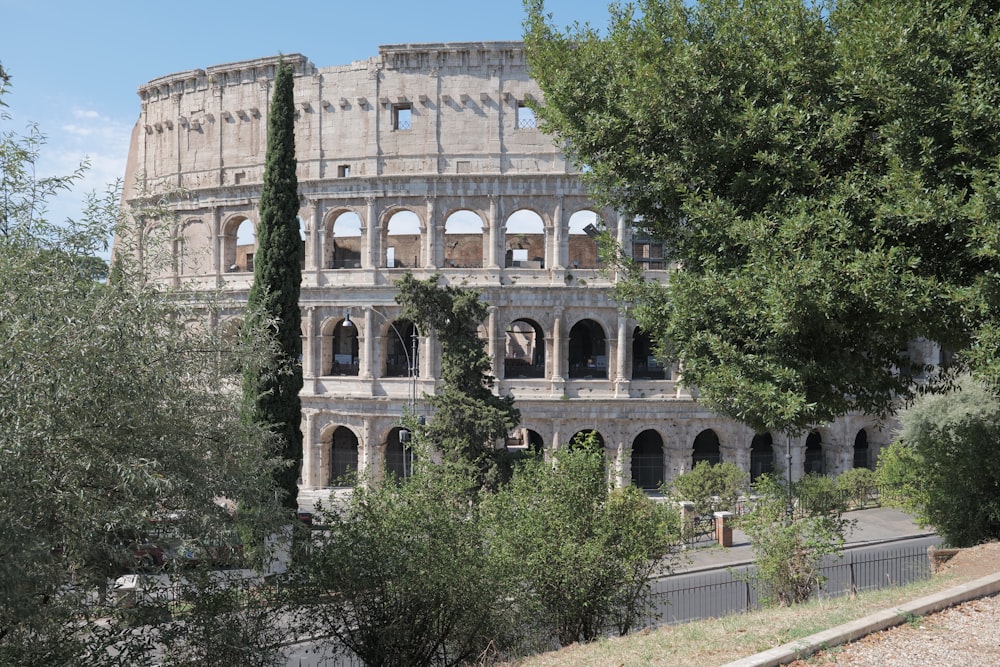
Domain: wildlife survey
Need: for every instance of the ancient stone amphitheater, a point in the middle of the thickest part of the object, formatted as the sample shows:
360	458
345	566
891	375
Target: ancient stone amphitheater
427	158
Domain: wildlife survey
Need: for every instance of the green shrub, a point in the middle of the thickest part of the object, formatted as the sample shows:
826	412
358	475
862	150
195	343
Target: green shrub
858	487
711	487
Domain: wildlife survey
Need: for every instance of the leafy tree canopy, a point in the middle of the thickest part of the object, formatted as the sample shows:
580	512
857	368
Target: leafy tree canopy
469	421
824	177
115	415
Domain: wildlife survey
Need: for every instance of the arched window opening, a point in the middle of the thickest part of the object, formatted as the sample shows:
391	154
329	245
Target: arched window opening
402	355
761	455
583	232
302	244
862	453
344	354
706	448
344	250
814	454
525	443
402	249
587	438
647	460
399	456
588	356
240	246
645	364
463	240
524	356
524	241
343	457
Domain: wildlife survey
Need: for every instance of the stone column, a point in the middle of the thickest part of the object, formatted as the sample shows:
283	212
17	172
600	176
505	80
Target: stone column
218	246
495	239
558	380
560	240
621	359
311	455
433	245
370	253
310	356
367	347
493	345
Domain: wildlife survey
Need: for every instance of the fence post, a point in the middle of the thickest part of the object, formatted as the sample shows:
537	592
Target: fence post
723	531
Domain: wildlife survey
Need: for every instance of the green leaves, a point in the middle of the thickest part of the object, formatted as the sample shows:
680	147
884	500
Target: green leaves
824	179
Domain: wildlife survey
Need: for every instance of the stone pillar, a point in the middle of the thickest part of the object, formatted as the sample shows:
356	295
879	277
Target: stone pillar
218	245
687	519
370	258
560	238
494	234
315	235
310	454
367	347
621	359
373	450
558	381
494	348
724	528
311	354
434	242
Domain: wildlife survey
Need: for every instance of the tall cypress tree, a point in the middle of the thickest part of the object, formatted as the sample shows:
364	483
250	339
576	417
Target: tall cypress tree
276	283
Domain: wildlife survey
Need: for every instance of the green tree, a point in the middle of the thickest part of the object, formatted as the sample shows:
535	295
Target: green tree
823	177
582	552
469	423
399	576
945	469
115	415
276	285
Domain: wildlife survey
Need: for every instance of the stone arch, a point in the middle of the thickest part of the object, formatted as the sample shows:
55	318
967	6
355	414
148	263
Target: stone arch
403	239
399	351
761	455
813	460
588	351
524	240
239	244
343	240
648	460
706	448
580	436
862	451
340	454
645	364
524	355
463	240
341	352
526	442
583	250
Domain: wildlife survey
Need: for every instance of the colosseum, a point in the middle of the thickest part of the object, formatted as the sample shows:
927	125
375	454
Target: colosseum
426	158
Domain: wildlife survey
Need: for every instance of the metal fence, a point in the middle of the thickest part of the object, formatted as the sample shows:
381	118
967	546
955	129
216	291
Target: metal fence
720	593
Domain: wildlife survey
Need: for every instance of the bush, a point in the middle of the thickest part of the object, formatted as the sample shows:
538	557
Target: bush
583	553
858	487
711	487
946	467
788	549
818	494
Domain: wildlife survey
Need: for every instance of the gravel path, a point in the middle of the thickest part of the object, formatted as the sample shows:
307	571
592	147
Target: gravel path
966	634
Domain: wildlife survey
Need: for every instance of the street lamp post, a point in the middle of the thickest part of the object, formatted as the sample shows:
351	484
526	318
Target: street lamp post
411	371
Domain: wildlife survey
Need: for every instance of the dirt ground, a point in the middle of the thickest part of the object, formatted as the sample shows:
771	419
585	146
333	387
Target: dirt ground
974	562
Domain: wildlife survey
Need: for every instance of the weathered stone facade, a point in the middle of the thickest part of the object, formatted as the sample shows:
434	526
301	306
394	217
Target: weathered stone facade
426	158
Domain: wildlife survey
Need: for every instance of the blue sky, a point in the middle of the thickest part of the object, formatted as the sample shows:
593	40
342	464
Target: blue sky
75	65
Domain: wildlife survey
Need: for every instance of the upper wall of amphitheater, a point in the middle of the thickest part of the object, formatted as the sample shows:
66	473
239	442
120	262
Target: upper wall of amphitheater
412	111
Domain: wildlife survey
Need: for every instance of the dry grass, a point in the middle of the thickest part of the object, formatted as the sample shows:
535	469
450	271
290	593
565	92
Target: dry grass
718	641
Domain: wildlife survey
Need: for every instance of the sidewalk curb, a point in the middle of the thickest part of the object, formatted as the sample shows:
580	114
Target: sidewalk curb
853	630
